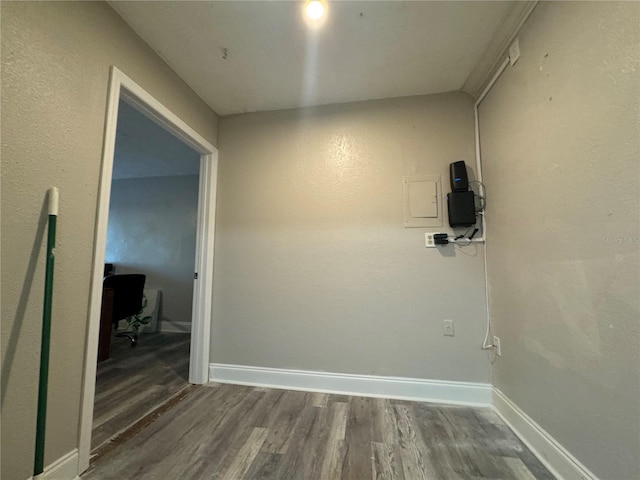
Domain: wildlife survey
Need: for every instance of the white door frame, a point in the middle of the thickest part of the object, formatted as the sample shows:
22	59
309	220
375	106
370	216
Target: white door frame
122	87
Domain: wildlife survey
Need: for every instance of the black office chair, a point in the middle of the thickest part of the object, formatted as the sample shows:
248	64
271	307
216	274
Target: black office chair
128	291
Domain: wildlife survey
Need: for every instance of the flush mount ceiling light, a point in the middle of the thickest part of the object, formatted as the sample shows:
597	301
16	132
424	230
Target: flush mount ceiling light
314	9
315	12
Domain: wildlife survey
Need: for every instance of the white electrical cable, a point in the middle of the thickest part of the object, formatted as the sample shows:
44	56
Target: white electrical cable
483	222
464	241
477	134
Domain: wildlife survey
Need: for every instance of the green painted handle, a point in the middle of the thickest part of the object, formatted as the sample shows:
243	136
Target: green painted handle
38	464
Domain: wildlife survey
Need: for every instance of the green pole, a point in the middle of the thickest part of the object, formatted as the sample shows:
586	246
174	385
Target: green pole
38	465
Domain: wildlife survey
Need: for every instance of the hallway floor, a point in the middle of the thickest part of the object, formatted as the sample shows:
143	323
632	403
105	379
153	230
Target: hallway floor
236	432
135	381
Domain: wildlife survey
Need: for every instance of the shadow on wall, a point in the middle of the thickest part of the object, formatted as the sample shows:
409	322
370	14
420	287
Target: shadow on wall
18	319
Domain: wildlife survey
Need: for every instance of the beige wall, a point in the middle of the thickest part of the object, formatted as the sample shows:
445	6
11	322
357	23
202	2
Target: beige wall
314	269
55	69
152	230
560	144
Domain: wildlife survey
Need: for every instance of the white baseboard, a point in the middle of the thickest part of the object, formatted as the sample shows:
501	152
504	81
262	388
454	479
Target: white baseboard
553	455
167	326
460	393
65	468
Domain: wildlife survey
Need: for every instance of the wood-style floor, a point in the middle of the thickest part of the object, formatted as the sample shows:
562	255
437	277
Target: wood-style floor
235	432
134	381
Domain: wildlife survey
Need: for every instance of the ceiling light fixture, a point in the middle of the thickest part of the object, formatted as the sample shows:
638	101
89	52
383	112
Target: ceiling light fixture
315	9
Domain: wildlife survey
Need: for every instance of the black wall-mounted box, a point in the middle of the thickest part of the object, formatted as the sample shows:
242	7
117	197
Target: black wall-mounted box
462	209
458	176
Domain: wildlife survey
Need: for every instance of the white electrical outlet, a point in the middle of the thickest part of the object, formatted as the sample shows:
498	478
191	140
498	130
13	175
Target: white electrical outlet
496	345
514	52
429	242
447	328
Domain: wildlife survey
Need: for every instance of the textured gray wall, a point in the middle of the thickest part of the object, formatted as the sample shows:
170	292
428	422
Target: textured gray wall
314	269
55	72
560	143
152	230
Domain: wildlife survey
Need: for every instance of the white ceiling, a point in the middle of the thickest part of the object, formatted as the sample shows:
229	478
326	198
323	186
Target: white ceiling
144	149
244	56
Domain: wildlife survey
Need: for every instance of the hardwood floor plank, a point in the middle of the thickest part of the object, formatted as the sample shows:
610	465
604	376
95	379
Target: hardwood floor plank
447	462
357	463
118	380
142	423
336	398
237	435
495	440
225	438
113	402
339	420
495	437
313	447
519	469
292	460
150	448
237	432
126	414
134	381
156	448
264	466
476	460
335	450
359	419
271	401
417	463
284	418
534	465
387	462
319	399
246	455
385	426
191	433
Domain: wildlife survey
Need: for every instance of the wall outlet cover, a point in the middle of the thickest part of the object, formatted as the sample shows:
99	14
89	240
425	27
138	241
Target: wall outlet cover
496	345
429	241
447	328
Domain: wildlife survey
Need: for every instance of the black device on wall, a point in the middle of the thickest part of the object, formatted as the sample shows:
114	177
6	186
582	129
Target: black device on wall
458	176
461	200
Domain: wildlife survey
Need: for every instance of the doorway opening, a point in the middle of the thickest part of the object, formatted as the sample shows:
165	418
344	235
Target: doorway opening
126	94
143	347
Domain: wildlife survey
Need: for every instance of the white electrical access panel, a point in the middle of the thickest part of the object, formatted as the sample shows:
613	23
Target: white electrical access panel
422	201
